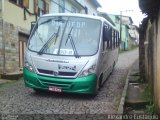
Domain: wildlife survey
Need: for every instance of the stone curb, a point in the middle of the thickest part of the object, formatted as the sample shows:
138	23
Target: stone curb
2	81
124	93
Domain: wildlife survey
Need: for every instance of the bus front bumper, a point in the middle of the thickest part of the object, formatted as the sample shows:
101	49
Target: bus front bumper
86	85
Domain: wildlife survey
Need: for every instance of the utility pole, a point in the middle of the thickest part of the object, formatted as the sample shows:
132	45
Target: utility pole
3	36
120	26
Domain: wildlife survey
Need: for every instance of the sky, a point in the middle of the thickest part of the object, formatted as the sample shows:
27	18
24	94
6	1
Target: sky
128	8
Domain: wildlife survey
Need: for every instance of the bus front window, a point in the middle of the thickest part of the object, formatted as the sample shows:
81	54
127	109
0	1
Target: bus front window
76	36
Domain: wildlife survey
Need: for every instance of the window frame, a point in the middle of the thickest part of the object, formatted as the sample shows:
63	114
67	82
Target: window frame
41	11
73	9
19	3
107	29
61	7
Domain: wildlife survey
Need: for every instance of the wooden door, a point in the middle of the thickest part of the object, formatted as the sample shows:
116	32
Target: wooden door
22	46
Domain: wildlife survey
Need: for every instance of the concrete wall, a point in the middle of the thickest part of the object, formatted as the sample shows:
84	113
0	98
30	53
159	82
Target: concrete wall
54	7
157	65
92	9
148	53
0	8
149	49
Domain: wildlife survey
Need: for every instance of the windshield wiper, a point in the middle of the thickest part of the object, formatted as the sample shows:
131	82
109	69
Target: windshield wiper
45	46
72	43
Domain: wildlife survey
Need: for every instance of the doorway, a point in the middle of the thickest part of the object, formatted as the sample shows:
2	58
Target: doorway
22	46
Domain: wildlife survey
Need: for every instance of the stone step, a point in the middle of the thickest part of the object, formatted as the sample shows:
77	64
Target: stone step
136	95
135	112
12	76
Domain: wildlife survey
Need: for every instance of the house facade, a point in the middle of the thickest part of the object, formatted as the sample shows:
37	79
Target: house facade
125	36
66	6
133	36
16	20
90	6
74	6
15	23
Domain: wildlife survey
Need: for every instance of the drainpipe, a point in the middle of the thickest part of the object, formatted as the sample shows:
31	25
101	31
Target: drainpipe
120	27
3	39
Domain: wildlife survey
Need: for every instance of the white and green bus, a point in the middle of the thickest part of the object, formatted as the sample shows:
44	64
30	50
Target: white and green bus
70	53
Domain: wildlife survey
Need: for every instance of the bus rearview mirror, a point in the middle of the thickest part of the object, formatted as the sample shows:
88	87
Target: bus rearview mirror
32	25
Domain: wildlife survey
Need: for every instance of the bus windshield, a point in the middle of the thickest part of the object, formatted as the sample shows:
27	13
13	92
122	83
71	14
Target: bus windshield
62	35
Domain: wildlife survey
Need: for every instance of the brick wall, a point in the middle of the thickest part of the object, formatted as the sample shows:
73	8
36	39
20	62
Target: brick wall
11	47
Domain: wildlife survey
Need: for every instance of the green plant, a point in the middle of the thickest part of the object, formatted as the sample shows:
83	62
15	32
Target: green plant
140	80
150	108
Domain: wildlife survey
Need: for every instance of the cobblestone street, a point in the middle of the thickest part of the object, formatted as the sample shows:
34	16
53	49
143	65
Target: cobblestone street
15	98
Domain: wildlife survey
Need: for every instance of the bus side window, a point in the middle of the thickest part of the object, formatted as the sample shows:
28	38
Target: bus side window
109	36
105	37
115	39
118	39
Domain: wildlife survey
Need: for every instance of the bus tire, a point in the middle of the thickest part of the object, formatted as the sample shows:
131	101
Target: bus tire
36	90
113	67
100	81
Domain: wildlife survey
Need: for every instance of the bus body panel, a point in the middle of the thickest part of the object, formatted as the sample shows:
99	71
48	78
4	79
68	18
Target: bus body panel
107	61
85	85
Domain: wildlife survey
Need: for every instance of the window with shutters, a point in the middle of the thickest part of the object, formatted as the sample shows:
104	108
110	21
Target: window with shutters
41	7
20	3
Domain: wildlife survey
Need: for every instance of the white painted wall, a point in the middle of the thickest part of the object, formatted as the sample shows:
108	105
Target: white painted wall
91	8
15	15
54	7
68	6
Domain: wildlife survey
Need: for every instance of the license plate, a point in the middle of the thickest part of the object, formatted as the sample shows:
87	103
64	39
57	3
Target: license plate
54	89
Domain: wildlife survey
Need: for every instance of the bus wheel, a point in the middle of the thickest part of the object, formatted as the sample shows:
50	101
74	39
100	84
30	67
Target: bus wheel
100	81
36	90
113	67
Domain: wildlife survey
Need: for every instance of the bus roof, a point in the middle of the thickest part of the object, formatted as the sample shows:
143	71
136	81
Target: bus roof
80	15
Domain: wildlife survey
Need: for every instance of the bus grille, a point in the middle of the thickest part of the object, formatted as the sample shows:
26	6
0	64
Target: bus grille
60	73
64	85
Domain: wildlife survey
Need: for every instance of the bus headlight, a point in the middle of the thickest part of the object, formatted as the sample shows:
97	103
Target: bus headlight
88	71
29	66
